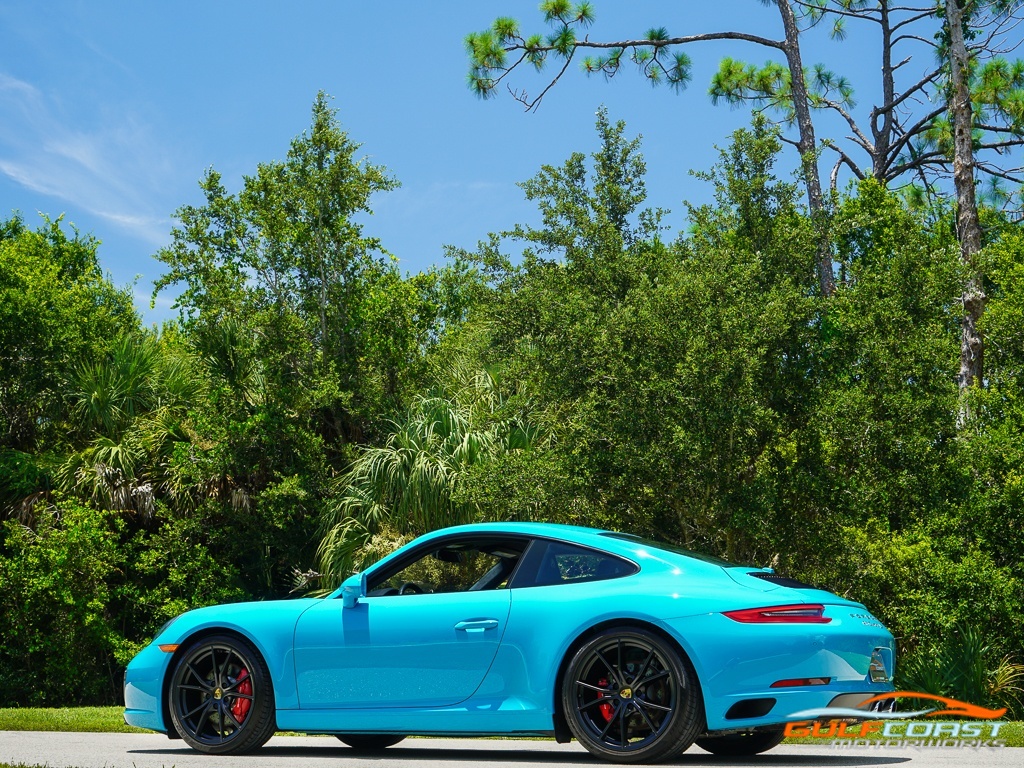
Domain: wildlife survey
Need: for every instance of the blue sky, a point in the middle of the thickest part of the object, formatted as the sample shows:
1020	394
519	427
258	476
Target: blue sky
111	111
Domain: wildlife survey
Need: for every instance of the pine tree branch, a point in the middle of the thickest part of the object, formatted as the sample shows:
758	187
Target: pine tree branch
1002	174
1002	144
845	158
859	138
912	19
531	106
999	129
911	132
918	86
919	39
836	9
928	158
667	42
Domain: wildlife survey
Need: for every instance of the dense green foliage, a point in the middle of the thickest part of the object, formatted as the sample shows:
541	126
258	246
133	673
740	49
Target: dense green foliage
312	406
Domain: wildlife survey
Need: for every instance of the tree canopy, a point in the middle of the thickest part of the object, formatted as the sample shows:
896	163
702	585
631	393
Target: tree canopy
312	407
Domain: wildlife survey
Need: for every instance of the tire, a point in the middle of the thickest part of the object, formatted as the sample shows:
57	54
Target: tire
742	744
370	742
221	698
630	696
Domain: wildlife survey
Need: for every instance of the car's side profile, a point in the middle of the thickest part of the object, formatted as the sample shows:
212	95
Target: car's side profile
632	647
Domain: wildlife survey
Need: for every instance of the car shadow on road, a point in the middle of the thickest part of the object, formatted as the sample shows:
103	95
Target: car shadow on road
547	756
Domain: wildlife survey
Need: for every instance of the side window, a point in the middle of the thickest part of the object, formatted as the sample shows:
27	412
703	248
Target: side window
461	566
555	562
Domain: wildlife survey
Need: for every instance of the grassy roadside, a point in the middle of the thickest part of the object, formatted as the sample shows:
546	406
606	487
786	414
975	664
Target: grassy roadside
81	719
111	720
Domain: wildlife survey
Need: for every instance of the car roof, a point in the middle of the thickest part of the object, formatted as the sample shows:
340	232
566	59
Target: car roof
610	541
556	530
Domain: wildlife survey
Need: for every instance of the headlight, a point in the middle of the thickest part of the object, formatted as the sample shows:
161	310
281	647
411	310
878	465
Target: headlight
165	626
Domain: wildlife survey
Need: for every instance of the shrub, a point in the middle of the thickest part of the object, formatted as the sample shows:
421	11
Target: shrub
57	636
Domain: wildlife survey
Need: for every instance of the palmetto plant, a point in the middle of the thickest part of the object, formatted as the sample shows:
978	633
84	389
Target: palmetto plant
407	485
129	407
962	667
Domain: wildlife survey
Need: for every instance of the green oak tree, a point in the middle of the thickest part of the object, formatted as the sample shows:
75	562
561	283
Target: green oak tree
56	309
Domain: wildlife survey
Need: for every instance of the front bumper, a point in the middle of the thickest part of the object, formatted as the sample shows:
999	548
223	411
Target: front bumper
143	689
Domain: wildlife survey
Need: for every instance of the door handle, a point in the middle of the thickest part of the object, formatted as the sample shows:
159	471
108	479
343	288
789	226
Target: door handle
477	625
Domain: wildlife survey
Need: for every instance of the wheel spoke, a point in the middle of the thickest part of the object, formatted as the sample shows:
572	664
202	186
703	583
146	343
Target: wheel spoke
608	725
651	679
222	674
213	667
650	724
238	682
604	661
581	707
199	658
191	712
207	686
234	696
643	669
231	716
203	717
653	706
622	672
594	687
622	725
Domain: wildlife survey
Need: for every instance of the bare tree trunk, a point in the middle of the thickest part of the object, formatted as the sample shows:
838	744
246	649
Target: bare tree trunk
807	147
882	134
967	224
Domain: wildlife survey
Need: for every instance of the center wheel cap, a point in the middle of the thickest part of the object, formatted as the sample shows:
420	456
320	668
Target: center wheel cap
217	693
626	693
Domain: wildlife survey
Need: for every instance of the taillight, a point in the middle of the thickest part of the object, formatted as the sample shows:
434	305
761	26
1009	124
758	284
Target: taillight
781	614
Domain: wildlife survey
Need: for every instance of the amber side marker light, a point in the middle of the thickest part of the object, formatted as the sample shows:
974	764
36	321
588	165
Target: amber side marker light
170	648
799	682
781	614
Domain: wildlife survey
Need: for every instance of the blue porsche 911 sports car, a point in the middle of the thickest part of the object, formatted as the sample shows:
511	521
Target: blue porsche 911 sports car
636	648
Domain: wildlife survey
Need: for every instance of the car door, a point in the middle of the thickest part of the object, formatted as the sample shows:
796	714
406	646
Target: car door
421	648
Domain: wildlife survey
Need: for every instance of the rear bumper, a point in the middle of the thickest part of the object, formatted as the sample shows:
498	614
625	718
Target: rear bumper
738	663
727	714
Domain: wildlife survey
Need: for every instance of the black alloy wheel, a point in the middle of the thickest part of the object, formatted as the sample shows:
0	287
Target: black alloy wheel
631	696
221	698
742	744
370	742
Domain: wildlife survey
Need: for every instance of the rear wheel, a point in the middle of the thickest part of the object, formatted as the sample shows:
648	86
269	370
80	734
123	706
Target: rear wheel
631	697
370	742
740	744
221	698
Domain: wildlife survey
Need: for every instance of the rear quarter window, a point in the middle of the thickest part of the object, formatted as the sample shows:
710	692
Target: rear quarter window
556	562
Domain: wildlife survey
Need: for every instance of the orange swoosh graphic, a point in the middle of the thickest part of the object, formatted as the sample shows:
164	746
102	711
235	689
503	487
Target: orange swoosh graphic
953	707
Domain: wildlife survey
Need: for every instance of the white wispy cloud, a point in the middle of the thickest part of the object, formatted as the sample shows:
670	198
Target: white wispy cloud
111	170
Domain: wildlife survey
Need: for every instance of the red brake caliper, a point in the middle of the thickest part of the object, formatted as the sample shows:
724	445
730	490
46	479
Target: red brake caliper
607	711
240	708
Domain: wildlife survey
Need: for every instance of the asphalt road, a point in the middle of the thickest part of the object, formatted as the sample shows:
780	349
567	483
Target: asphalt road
129	750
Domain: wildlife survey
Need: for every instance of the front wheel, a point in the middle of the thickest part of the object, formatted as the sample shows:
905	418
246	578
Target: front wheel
221	698
370	742
742	744
630	696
